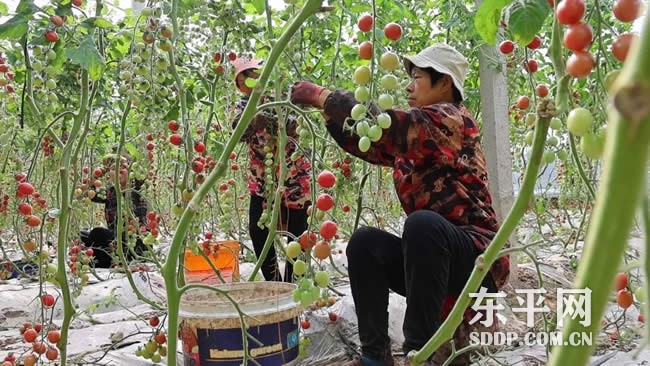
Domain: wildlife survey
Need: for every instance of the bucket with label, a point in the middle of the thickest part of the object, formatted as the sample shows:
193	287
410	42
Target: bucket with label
210	326
224	255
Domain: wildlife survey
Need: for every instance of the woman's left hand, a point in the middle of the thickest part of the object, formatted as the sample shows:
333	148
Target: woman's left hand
306	93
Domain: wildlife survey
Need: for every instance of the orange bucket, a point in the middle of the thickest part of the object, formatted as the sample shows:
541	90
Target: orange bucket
225	259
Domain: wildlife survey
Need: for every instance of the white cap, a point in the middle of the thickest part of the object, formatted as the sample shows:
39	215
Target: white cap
444	59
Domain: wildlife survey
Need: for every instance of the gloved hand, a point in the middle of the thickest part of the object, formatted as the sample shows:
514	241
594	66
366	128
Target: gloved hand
306	93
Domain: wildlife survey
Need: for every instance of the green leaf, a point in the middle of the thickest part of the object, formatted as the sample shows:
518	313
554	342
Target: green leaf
26	7
97	22
487	18
131	149
191	99
3	8
119	46
259	6
525	18
87	56
249	8
190	4
64	9
216	147
541	208
108	131
173	113
14	28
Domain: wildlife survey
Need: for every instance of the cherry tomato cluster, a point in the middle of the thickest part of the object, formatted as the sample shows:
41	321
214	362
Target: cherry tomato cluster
48	146
150	147
153	219
57	21
202	166
4	204
269	178
328	228
370	129
626	11
42	343
24	192
198	164
344	166
155	29
8	75
147	65
210	247
309	244
579	35
90	186
624	296
392	31
155	349
132	226
507	47
42	57
79	260
312	291
323	303
218	58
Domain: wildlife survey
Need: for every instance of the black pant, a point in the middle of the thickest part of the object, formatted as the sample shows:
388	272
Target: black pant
101	240
434	258
296	220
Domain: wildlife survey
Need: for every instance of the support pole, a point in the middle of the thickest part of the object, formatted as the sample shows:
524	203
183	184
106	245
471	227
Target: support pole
496	135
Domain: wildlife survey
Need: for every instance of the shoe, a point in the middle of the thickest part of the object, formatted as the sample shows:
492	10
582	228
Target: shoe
365	361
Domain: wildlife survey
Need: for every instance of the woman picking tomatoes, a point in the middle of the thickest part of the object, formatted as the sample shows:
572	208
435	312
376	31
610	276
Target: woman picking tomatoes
102	239
261	137
441	179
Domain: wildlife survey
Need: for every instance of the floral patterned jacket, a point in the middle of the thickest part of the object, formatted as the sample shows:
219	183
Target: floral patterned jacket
261	132
437	164
138	203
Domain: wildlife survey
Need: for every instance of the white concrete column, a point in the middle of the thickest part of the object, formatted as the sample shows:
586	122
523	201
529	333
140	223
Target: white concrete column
496	138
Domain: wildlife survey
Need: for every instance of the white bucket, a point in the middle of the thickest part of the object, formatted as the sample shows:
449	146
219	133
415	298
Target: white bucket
210	327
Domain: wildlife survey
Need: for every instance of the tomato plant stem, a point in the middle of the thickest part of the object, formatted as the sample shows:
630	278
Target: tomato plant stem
359	202
620	191
213	95
373	39
581	169
64	217
563	95
484	261
337	51
40	138
119	211
180	89
645	308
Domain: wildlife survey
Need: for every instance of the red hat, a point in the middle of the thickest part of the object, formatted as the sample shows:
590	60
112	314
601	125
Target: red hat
242	64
